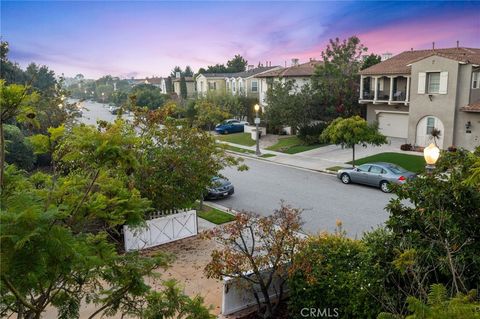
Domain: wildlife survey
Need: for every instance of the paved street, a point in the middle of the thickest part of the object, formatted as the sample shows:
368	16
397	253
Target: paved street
93	111
322	196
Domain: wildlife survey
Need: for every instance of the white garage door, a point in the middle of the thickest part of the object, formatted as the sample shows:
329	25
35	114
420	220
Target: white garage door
393	124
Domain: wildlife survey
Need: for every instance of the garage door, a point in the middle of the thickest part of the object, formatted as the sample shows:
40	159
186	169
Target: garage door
393	124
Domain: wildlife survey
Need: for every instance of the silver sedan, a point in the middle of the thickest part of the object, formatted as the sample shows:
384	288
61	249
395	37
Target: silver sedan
376	174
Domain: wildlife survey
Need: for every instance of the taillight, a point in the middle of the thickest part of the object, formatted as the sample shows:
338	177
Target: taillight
402	178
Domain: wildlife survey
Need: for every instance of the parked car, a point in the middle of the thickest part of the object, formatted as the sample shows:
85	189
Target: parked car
221	187
376	174
230	126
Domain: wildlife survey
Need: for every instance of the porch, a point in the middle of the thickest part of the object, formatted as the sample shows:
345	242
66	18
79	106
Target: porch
385	89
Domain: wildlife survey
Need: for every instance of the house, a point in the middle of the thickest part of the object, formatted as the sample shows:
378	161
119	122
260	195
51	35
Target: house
300	74
245	83
191	91
155	81
211	82
415	92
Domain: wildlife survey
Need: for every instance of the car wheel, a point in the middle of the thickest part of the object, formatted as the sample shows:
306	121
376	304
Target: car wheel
225	132
384	187
345	178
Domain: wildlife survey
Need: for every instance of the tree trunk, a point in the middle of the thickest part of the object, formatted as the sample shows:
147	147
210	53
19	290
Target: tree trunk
353	159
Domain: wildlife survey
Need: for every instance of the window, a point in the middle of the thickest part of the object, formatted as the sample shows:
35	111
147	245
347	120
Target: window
212	85
254	86
363	168
201	86
233	86
476	80
433	85
377	170
430	125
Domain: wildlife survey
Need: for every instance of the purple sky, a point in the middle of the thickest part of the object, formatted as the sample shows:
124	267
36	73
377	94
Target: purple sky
149	38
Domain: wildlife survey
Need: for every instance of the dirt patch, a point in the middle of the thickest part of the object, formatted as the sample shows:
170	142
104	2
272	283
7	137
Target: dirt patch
268	140
192	255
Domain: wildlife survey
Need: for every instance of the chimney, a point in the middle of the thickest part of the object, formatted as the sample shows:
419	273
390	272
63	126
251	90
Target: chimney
285	63
386	56
433	45
458	44
250	67
411	49
294	62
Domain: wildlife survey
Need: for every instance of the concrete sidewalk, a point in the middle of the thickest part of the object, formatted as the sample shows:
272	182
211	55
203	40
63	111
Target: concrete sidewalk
322	158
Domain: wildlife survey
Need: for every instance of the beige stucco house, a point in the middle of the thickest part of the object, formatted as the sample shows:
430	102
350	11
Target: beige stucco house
191	91
246	83
300	74
414	92
211	83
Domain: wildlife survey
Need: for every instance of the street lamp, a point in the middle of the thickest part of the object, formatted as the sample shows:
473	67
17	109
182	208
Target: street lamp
431	154
103	98
257	122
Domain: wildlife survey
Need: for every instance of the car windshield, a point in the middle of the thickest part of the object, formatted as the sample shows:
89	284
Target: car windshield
397	169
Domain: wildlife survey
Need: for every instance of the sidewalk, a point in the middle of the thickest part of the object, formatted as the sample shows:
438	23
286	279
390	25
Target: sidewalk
322	158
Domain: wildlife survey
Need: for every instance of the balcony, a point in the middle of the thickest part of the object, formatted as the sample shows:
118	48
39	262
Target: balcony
385	89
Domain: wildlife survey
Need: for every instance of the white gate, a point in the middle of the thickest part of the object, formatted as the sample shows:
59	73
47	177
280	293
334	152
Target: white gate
161	230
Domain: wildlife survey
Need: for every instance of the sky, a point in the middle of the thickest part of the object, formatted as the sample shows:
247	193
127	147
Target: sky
148	38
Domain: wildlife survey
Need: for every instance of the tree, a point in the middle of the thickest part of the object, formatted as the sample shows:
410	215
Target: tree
176	70
177	162
352	131
337	80
291	106
16	104
237	64
149	96
329	272
440	306
183	88
370	60
258	252
58	232
188	71
18	149
209	114
440	226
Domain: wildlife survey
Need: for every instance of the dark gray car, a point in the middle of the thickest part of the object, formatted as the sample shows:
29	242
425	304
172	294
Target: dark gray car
376	174
221	187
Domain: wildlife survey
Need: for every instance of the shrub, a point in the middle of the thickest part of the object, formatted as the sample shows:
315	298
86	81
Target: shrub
328	273
406	147
310	134
19	151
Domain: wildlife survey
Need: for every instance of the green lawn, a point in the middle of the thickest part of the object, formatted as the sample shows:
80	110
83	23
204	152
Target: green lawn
412	163
245	151
214	215
292	145
238	138
334	168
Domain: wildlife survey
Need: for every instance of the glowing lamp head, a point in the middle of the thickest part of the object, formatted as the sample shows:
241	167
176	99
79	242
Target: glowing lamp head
431	154
256	107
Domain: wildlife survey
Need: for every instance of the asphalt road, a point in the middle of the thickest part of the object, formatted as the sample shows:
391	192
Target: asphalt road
323	197
93	111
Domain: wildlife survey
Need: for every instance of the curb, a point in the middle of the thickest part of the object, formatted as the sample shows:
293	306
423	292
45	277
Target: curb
325	171
221	207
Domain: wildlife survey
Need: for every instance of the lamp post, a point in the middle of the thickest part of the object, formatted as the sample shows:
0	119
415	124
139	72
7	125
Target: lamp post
103	98
431	154
257	122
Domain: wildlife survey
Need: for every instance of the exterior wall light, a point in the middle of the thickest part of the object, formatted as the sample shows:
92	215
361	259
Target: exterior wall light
431	153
